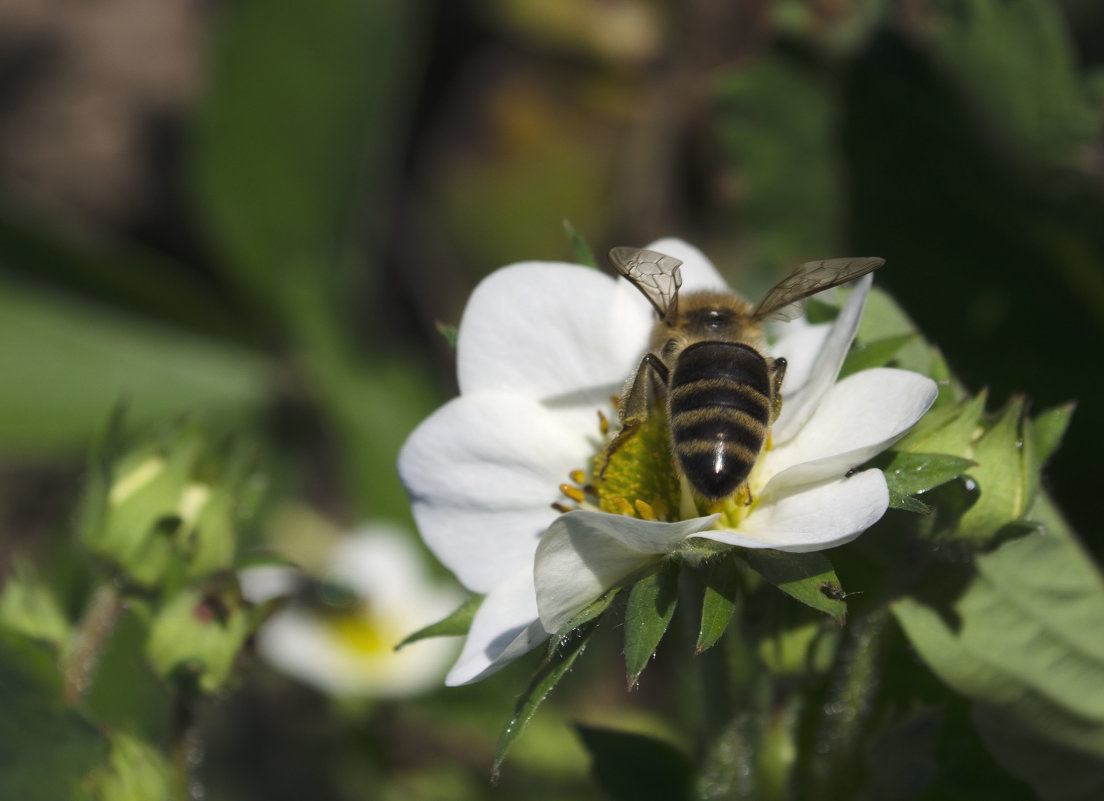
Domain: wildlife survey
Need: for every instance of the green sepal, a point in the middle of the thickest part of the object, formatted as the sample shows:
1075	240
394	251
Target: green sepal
583	254
874	354
907	503
806	577
450	332
1050	427
1006	475
651	604
946	429
720	592
911	473
455	624
592	611
195	638
542	683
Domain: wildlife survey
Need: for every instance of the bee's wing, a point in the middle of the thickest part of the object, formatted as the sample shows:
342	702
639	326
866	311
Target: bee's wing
655	274
786	300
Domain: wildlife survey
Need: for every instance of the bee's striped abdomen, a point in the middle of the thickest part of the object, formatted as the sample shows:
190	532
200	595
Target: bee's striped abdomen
720	404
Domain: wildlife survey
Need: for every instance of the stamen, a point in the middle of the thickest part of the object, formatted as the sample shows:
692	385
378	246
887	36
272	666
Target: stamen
603	423
661	507
645	510
622	506
559	507
574	493
578	476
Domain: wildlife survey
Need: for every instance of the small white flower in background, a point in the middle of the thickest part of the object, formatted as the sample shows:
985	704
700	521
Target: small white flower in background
541	348
349	649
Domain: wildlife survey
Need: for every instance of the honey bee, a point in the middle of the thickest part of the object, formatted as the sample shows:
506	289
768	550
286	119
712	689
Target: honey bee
705	360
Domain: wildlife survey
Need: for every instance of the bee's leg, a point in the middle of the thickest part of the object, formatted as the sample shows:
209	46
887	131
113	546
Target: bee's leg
777	369
633	410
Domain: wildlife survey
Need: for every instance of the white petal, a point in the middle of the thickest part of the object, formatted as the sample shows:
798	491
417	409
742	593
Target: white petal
548	330
585	553
504	628
799	343
379	563
818	517
308	647
261	583
798	404
858	418
698	271
482	472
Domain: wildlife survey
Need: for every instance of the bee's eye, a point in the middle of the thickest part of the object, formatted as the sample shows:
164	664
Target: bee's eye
669	347
715	318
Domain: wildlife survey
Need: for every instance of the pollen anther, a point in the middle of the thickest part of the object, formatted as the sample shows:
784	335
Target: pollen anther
574	493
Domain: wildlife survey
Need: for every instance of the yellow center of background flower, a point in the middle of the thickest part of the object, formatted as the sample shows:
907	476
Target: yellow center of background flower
362	634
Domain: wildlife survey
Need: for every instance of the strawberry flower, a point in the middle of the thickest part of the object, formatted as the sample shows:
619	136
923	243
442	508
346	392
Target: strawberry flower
346	648
541	349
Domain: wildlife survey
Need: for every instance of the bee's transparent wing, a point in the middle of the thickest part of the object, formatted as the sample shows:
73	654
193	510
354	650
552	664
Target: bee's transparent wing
655	274
786	300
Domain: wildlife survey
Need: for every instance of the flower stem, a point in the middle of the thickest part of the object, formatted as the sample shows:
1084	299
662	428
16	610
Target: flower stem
79	663
734	697
186	749
848	708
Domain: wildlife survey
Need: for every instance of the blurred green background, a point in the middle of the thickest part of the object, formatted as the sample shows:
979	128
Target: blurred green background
260	211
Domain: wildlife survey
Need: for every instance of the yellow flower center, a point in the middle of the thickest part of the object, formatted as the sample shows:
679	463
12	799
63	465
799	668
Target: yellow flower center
642	480
360	633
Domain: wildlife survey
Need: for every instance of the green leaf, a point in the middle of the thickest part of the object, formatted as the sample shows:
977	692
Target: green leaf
1005	474
1022	640
299	127
651	604
719	599
635	767
373	410
67	364
28	606
1050	427
583	254
808	577
777	127
1018	65
885	324
874	354
112	271
910	473
46	749
195	639
135	771
455	624
543	682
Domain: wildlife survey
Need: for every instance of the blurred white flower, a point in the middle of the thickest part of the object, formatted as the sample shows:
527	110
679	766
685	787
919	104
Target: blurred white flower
540	348
381	593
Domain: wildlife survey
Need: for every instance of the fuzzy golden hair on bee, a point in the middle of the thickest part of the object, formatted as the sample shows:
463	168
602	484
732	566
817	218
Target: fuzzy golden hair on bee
705	363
